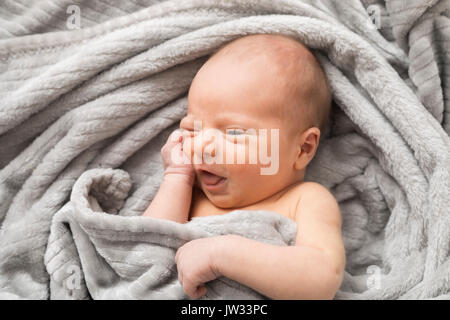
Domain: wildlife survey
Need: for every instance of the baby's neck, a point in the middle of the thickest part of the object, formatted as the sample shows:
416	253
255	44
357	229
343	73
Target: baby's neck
279	202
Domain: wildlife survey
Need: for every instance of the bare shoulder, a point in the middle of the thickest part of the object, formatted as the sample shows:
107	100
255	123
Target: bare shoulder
307	186
312	198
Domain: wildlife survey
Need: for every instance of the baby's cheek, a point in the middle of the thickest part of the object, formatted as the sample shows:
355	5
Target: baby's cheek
233	153
244	174
252	151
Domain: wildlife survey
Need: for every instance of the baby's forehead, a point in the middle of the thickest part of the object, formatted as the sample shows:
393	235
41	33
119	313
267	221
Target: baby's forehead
281	70
276	49
275	58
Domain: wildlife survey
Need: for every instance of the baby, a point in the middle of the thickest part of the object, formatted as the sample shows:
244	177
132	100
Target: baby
251	86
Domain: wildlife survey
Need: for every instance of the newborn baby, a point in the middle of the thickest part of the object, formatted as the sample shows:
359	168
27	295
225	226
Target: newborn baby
258	93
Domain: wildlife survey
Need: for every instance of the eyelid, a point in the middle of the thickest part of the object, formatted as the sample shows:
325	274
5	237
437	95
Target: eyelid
231	128
240	132
246	132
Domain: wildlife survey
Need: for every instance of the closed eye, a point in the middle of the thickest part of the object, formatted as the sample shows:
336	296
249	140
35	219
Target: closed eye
235	132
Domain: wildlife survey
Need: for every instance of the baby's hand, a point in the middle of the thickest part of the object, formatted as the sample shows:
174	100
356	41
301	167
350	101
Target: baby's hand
196	265
175	161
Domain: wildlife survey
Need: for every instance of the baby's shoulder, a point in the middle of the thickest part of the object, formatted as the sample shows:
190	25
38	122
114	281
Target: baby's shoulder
306	188
290	197
307	193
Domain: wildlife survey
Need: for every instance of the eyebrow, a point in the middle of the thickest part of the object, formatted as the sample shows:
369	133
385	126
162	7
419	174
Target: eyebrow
228	118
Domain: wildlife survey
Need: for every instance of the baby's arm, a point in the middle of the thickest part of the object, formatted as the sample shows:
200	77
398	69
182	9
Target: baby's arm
173	199
312	269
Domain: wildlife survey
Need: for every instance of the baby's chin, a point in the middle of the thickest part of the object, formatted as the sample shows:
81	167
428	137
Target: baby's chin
223	201
227	200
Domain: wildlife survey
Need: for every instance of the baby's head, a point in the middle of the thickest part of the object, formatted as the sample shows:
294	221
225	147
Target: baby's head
256	82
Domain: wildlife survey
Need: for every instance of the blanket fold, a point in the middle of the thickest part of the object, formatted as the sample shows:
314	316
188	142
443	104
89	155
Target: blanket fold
94	254
84	113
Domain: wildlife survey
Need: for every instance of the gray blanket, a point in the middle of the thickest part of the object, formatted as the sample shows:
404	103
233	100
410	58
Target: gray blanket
84	113
134	257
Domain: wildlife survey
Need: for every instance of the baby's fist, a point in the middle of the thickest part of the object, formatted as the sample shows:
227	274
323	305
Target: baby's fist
196	265
175	161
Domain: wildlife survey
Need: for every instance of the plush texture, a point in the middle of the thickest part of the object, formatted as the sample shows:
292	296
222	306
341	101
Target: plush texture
84	113
133	257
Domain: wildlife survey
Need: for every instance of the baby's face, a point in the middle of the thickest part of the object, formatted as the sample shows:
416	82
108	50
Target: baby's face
230	103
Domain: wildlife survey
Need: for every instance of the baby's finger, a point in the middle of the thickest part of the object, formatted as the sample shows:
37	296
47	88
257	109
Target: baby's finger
185	156
187	133
190	288
178	157
200	291
176	136
188	146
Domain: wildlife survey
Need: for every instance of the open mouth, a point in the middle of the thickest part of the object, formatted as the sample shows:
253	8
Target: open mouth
211	180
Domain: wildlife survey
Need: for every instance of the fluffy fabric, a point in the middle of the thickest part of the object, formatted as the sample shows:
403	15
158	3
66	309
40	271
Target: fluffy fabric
106	96
134	257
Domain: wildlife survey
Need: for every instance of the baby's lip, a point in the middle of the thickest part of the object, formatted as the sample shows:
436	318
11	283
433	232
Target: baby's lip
210	170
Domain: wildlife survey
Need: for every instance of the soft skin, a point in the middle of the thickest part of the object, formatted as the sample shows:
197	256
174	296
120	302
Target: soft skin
246	96
233	93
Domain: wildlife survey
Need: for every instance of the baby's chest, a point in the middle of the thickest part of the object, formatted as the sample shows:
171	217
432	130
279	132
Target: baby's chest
202	207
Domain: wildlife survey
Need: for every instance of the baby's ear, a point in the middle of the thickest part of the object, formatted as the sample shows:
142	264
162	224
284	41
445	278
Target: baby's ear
307	146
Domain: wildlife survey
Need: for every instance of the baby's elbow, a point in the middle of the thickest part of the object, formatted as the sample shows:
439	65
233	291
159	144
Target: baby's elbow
332	281
324	284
